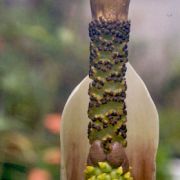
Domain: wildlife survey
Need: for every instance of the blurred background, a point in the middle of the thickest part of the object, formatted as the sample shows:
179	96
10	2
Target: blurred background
44	55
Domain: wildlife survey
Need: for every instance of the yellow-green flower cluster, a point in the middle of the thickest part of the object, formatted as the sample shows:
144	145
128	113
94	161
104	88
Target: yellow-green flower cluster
105	172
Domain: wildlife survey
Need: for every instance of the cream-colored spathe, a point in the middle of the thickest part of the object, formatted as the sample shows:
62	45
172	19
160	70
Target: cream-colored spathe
142	125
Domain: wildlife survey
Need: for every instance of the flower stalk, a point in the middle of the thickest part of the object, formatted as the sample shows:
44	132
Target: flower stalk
109	35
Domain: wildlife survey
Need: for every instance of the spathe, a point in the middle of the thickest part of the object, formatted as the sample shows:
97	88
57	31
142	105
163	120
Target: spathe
142	125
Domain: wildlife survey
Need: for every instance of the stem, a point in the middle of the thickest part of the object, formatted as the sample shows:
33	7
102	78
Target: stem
110	9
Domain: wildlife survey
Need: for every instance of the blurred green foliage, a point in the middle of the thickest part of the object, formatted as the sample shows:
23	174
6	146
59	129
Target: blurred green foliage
169	126
41	60
163	161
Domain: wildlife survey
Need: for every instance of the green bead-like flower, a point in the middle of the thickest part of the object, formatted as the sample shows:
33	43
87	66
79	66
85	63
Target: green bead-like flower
105	172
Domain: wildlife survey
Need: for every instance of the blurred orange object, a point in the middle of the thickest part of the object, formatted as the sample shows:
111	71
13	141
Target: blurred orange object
52	156
52	123
39	174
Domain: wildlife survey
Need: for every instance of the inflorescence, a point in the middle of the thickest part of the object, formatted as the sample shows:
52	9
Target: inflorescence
107	109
